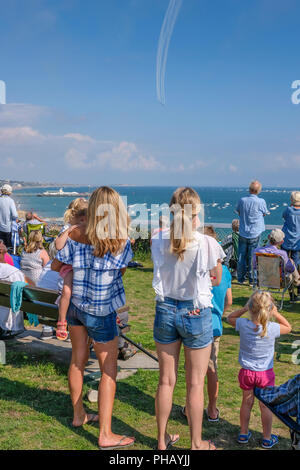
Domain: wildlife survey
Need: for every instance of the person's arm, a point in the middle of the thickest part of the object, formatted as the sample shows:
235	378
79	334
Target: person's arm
232	317
123	270
44	257
13	211
56	265
285	327
216	274
35	216
61	240
228	299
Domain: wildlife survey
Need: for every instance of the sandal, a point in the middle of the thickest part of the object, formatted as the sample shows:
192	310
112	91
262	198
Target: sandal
213	420
119	445
61	330
244	438
267	444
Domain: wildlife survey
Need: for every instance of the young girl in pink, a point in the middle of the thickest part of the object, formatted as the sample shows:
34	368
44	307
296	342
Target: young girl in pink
257	344
75	216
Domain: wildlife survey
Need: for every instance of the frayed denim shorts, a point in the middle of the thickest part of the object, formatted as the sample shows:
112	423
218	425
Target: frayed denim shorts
100	328
173	322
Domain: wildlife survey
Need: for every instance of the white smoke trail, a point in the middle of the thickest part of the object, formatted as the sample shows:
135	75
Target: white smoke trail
163	46
2	92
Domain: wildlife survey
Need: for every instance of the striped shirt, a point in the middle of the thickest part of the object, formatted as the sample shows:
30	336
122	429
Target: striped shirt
97	282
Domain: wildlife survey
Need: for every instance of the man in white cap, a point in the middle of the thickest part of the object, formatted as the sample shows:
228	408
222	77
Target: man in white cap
276	239
8	213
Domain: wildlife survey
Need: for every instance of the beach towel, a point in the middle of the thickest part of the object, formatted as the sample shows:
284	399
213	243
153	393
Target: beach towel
16	296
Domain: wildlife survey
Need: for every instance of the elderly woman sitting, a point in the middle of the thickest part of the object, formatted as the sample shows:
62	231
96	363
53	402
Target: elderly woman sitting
276	239
34	257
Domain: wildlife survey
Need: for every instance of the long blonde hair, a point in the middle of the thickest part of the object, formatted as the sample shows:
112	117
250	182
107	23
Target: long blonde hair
181	226
108	221
35	241
260	305
76	208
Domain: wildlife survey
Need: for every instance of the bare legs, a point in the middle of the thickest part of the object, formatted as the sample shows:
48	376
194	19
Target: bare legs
168	355
196	362
107	357
212	391
80	355
245	411
107	354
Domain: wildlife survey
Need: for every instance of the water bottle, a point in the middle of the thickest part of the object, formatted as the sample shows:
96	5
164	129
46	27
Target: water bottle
2	353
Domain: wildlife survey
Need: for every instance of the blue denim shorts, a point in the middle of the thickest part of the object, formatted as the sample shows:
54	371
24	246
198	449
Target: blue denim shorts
100	328
173	322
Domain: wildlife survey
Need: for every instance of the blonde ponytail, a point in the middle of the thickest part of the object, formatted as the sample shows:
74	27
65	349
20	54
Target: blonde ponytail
185	204
260	307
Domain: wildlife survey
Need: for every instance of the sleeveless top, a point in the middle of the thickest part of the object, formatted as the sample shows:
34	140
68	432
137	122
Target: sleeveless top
32	265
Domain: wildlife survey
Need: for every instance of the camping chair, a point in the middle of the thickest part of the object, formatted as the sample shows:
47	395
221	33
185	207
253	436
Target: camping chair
271	274
42	228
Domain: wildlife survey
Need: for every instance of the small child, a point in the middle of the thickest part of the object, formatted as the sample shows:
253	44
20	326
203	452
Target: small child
222	300
257	344
75	216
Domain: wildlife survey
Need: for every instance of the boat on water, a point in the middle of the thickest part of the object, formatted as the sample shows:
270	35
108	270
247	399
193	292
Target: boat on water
62	193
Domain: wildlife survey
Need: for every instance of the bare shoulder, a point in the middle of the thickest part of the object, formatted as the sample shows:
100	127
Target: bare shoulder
79	235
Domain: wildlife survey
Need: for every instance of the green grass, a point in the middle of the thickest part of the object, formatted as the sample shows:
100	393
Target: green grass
36	413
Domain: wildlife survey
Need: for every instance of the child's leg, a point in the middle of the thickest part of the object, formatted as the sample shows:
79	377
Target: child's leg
65	297
245	411
266	419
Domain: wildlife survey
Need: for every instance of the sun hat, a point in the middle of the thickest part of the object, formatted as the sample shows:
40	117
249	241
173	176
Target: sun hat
277	235
295	198
6	189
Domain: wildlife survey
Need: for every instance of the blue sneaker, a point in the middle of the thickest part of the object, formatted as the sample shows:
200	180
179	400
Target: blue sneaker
268	444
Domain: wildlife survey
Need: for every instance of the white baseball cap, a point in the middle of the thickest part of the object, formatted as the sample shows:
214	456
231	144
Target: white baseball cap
6	189
277	235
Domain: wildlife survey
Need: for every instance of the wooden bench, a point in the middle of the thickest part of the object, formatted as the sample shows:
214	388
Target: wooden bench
41	302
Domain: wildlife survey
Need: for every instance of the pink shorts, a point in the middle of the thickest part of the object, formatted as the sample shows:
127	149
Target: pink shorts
65	269
250	378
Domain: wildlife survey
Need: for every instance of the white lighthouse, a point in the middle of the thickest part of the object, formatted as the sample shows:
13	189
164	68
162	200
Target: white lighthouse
2	92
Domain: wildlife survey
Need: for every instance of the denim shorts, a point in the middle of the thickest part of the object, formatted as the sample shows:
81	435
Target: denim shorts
100	328
173	322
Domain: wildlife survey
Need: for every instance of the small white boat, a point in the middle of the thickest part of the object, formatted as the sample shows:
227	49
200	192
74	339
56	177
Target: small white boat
61	193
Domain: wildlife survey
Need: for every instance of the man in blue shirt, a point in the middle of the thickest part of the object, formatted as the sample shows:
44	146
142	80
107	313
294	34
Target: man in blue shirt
251	210
8	213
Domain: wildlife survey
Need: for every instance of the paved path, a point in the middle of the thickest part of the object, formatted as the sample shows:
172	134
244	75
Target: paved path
61	352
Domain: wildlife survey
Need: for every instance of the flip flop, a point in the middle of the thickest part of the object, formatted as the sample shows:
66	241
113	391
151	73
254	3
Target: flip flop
118	445
244	438
171	442
94	418
268	444
213	420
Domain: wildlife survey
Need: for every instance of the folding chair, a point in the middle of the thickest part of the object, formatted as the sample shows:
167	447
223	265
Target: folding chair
285	397
271	275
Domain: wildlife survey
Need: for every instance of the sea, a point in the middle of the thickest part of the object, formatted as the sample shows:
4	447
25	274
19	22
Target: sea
219	202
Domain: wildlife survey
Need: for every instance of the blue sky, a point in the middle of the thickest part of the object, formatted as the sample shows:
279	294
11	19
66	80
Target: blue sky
81	92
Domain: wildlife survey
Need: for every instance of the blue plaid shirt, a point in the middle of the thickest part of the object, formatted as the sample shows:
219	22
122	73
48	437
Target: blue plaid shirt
97	282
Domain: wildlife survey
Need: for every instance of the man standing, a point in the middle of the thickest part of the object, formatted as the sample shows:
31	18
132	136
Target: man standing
8	213
251	210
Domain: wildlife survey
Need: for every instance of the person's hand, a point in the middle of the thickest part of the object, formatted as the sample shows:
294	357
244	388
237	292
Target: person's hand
70	229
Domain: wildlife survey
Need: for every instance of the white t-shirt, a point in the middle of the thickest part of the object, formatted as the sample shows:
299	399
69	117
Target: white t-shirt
188	279
10	321
50	279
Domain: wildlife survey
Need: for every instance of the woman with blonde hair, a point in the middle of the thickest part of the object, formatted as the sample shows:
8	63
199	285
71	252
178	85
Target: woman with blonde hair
99	255
186	265
257	343
34	257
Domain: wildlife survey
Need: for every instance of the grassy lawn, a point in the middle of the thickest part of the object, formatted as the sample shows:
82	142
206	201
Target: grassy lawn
35	409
